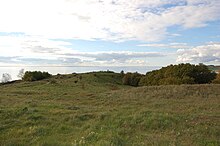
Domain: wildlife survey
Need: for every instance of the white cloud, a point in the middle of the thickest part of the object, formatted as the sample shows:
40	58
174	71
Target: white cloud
41	23
115	20
34	51
170	45
121	55
34	47
209	53
86	59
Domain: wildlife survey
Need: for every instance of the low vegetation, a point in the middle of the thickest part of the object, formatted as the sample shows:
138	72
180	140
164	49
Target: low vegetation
97	109
131	79
217	79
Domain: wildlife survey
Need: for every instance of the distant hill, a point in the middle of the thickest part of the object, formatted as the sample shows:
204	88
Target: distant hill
214	68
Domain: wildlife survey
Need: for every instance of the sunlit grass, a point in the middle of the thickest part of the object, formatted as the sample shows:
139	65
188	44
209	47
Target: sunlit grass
98	110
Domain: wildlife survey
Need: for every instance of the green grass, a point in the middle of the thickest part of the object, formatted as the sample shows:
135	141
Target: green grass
99	110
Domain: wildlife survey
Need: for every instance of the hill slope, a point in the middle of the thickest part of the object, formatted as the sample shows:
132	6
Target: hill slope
95	109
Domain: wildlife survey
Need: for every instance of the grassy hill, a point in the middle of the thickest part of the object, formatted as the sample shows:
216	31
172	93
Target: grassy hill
96	109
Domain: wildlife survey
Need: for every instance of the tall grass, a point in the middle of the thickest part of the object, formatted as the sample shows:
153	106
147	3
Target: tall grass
107	113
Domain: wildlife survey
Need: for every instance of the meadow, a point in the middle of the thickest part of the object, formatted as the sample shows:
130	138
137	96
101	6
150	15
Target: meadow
96	109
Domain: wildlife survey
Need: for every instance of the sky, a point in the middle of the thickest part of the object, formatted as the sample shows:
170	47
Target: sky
109	32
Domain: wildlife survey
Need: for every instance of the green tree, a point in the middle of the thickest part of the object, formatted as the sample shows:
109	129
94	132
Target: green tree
202	74
35	75
179	74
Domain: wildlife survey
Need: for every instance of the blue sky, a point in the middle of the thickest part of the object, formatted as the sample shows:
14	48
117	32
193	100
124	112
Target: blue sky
109	32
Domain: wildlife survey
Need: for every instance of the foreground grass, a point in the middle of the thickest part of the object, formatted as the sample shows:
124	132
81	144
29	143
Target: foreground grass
95	109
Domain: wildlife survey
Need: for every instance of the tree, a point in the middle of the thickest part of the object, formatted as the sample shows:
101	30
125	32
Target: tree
6	77
202	74
122	73
179	74
20	73
35	75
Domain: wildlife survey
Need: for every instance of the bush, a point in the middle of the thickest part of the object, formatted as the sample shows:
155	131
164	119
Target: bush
131	79
217	79
179	74
35	75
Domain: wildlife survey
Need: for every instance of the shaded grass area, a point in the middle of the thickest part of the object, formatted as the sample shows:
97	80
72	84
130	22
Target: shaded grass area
98	110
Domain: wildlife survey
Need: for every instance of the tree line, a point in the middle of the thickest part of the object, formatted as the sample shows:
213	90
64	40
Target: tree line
173	75
170	75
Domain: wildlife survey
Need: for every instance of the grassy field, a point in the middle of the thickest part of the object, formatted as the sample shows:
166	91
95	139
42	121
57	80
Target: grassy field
96	109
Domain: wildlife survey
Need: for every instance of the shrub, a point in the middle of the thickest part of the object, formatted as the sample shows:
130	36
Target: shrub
217	79
52	81
35	75
131	79
179	74
80	77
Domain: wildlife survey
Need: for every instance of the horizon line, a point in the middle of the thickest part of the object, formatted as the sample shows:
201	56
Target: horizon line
79	66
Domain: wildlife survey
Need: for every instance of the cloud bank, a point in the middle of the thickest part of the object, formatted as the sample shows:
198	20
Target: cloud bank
40	51
114	20
209	53
170	45
37	31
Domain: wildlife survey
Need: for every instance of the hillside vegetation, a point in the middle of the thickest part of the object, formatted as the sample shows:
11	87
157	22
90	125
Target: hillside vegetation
97	109
179	74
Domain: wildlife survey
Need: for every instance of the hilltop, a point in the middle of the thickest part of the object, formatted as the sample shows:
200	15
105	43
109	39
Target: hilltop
97	109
